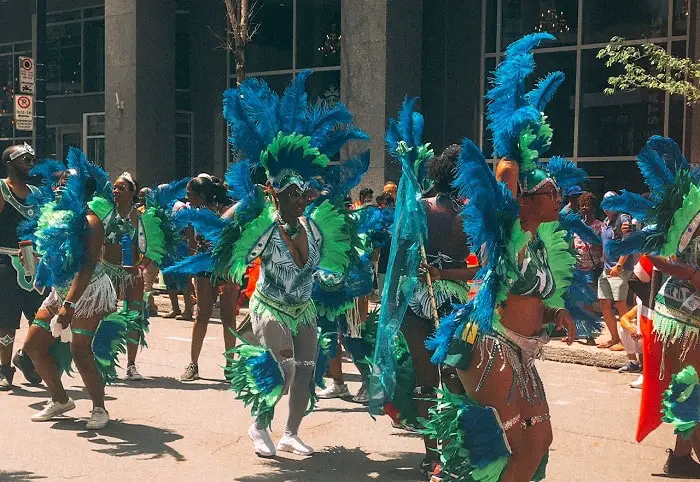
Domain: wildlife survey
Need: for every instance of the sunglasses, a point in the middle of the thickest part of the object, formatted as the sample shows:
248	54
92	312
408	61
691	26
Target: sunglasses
554	194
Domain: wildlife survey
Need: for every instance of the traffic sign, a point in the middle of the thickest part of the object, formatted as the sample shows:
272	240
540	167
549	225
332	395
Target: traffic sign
26	75
24	112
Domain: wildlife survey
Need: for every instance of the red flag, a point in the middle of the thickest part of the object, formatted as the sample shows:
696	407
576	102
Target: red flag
653	387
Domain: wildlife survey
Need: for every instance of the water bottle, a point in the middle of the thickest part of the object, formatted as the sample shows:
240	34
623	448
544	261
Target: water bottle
127	252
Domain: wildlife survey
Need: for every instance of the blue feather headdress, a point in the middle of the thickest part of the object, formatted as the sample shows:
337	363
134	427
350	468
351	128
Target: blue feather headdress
290	139
516	117
672	210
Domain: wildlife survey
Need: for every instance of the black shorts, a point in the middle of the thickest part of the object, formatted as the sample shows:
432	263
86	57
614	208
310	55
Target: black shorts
14	301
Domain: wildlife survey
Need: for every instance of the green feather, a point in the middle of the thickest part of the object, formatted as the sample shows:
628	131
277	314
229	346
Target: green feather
336	242
682	221
248	240
151	234
561	261
508	268
63	357
101	207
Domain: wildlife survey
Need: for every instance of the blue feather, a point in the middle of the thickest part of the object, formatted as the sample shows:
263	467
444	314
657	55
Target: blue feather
405	120
573	224
243	131
205	222
265	371
628	202
566	173
484	437
294	104
336	139
238	180
540	96
632	244
261	104
670	152
192	265
417	129
321	119
165	196
342	178
525	44
439	342
655	171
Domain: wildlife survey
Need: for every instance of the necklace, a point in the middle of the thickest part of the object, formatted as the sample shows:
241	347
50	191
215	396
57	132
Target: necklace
292	232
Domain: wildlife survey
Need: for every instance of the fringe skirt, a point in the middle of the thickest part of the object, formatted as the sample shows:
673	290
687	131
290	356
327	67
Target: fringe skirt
99	298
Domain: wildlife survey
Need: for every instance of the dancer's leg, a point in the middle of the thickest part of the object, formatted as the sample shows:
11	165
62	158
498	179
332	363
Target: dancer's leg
81	347
228	310
37	345
205	303
305	347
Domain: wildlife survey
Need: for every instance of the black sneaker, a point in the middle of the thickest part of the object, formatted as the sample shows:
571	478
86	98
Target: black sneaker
631	367
681	467
7	373
22	361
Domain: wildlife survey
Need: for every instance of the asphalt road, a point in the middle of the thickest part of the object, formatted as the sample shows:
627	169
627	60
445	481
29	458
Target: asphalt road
163	429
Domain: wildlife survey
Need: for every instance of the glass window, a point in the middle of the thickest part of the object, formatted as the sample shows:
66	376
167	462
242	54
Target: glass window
182	51
63	16
94	56
618	124
183	124
94	12
95	125
63	66
561	109
491	25
613	176
183	157
96	150
7	83
278	83
271	47
631	19
182	100
558	17
318	33
680	17
324	87
677	103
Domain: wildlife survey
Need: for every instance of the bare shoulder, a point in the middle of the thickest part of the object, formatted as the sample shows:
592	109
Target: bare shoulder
94	222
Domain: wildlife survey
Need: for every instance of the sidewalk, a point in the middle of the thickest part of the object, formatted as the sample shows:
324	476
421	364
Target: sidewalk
556	350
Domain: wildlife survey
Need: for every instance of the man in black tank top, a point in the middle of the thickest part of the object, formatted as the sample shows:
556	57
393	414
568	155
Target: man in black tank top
15	299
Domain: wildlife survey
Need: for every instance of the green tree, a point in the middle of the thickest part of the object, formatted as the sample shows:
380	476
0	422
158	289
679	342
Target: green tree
650	66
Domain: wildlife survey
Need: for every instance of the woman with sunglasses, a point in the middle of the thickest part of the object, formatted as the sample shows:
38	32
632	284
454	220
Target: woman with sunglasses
528	266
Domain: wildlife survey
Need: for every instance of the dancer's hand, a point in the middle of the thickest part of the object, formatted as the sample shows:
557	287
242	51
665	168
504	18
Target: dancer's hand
431	270
65	316
564	320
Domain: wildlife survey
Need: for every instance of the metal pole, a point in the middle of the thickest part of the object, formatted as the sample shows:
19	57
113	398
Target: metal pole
40	79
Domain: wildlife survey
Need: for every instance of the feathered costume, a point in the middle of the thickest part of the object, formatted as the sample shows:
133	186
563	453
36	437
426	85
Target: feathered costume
474	438
293	142
671	215
60	241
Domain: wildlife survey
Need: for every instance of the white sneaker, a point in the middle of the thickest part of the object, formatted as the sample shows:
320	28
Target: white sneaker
133	374
262	443
99	417
293	444
53	410
334	390
638	382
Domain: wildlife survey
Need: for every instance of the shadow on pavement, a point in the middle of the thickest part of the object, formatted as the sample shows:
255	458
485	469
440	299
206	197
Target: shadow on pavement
342	464
74	393
121	439
19	476
357	408
170	383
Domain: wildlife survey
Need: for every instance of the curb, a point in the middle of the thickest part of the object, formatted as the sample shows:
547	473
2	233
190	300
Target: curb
579	356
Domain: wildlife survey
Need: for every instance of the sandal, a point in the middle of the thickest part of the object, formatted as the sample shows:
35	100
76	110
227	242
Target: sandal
187	316
172	314
617	347
607	344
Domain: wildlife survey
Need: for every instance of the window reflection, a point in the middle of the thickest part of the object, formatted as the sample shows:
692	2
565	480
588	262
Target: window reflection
324	87
271	47
613	176
318	33
63	69
618	124
561	109
680	17
558	17
630	19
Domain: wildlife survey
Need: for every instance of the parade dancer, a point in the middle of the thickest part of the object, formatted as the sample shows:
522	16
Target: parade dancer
501	429
18	296
670	391
69	239
129	235
293	142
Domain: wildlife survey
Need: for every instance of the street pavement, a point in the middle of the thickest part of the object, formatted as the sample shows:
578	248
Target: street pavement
164	429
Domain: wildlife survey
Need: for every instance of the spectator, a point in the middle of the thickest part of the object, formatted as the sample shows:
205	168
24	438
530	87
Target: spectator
365	199
589	256
613	283
390	188
573	199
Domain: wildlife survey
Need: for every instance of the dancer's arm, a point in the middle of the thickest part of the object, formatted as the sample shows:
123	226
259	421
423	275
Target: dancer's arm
507	172
675	268
95	238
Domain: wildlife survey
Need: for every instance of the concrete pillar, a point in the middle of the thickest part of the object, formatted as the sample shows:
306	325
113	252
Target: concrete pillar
140	68
381	62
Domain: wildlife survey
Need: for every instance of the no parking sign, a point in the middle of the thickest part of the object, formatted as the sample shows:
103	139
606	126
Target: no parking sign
24	112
